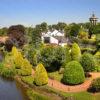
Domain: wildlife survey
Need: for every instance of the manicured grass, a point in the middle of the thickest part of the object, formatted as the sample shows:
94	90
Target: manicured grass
76	96
55	75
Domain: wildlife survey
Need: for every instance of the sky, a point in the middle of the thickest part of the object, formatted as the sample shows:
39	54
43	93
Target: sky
32	12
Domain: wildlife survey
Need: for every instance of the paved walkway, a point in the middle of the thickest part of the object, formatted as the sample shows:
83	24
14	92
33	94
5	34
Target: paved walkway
76	88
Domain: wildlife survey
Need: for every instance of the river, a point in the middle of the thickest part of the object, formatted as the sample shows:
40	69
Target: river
11	90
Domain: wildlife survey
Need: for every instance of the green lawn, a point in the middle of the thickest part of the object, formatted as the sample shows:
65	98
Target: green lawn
76	96
55	75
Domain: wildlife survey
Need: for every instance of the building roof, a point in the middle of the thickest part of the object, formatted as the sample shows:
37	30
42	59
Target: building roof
61	39
54	33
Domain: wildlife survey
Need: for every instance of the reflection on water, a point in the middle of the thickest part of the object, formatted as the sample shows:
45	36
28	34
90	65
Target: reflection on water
9	90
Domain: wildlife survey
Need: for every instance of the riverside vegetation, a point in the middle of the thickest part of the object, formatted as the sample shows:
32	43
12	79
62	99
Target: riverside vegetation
24	53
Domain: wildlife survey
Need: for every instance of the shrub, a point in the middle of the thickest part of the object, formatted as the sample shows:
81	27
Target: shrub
8	72
73	73
17	56
1	66
75	52
67	55
95	85
41	77
97	57
52	57
88	62
26	68
28	80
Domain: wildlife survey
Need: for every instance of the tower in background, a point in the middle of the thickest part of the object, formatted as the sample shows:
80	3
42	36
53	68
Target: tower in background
93	20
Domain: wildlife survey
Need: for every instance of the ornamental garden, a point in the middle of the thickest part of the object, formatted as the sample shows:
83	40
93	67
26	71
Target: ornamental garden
50	71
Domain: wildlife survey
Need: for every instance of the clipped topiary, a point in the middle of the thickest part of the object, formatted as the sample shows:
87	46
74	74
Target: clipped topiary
41	77
17	56
75	52
26	68
95	85
73	73
88	62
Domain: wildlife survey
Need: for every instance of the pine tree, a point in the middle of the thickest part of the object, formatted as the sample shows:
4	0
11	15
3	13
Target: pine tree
75	52
41	77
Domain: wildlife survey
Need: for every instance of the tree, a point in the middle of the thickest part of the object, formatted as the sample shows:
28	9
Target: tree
73	73
94	30
41	77
52	57
3	31
16	35
61	26
83	34
44	27
67	55
36	38
74	29
88	62
75	52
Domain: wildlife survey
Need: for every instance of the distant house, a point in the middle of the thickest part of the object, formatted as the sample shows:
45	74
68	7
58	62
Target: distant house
54	37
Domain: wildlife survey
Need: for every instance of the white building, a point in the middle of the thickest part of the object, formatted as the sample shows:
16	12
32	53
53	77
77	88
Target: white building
54	37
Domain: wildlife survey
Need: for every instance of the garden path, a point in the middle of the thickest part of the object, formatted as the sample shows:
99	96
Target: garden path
76	88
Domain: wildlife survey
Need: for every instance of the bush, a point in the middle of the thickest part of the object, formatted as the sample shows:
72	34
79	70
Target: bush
97	58
88	62
28	80
26	68
73	73
67	55
8	67
41	77
1	66
95	85
75	52
17	56
52	57
8	72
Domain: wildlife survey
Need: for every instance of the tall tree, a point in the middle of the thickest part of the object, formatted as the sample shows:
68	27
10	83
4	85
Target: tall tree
36	38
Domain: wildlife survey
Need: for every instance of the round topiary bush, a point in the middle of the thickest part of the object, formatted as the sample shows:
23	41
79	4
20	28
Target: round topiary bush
88	62
41	77
73	73
95	85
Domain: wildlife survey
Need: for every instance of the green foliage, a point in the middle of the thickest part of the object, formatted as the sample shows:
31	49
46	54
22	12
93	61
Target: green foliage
67	55
28	80
3	31
83	34
21	63
73	73
8	72
8	67
17	56
98	41
74	29
75	52
97	60
88	62
55	75
1	66
95	85
36	96
52	57
26	68
36	38
41	77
